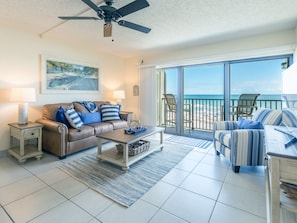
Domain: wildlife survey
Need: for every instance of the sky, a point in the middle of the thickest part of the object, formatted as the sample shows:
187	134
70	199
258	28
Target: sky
264	77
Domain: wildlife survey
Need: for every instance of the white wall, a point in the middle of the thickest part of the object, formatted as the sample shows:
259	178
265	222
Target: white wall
254	46
20	66
132	72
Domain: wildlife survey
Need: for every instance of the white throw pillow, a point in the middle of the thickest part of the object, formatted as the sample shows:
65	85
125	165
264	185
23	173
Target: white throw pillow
73	118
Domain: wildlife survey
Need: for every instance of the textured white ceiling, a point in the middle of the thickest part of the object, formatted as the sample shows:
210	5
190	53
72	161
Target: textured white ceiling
174	23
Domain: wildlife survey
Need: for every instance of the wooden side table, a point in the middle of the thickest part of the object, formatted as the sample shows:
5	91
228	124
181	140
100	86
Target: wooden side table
281	166
23	133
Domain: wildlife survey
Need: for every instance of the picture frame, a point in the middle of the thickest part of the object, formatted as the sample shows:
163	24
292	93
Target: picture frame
68	77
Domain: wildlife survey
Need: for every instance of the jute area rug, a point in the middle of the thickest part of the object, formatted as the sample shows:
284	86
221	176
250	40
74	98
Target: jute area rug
126	187
200	143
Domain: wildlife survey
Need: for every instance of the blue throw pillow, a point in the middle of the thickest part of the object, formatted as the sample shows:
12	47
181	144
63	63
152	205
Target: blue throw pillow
88	118
73	118
249	124
110	112
60	116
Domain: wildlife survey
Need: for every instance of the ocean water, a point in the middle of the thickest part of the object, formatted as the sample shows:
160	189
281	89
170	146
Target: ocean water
212	104
233	97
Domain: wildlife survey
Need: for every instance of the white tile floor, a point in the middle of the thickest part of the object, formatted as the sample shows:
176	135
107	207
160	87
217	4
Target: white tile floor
201	188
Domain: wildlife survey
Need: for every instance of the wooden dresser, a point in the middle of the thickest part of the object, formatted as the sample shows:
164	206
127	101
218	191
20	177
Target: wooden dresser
281	166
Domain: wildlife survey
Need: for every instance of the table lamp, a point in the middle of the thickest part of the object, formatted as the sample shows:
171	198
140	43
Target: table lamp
119	95
23	96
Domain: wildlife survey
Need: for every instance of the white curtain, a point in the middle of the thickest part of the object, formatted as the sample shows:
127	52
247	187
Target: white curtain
148	98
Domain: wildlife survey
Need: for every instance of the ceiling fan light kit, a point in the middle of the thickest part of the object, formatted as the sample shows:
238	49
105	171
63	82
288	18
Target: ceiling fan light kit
107	30
110	14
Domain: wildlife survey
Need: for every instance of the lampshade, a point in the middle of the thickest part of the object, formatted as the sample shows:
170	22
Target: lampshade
22	95
120	94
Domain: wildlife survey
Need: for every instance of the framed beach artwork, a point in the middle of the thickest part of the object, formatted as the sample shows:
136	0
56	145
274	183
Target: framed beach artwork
62	76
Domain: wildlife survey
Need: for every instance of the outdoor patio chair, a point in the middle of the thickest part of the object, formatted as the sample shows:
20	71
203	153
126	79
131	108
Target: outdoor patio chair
245	106
170	112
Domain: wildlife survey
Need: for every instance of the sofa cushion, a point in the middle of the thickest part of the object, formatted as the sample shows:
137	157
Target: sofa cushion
86	131
85	106
118	124
60	116
249	124
88	118
101	127
80	108
99	103
73	118
289	118
110	112
49	110
268	116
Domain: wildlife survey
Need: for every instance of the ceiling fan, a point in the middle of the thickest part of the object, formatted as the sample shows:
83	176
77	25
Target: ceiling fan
110	14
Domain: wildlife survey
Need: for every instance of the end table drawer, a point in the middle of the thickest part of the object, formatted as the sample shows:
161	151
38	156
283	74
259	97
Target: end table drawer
34	133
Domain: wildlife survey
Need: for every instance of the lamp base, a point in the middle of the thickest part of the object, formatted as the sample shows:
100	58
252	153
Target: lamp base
23	114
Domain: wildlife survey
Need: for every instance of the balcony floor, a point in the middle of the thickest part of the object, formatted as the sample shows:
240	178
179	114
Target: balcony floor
195	133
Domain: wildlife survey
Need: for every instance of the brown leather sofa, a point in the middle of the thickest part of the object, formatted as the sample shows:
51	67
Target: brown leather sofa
61	140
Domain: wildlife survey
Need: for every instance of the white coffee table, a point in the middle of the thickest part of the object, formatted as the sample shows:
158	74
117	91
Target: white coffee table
119	136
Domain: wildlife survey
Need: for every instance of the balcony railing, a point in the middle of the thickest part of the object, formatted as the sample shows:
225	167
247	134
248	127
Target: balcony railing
204	112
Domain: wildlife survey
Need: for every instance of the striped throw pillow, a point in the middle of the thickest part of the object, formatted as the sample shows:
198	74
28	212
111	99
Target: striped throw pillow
110	112
268	116
289	118
73	118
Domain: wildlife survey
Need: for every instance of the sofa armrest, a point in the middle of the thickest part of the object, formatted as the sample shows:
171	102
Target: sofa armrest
53	126
225	125
247	146
54	137
127	116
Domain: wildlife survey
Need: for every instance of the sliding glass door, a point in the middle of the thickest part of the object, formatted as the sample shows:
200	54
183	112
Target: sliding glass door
263	77
198	93
203	95
206	93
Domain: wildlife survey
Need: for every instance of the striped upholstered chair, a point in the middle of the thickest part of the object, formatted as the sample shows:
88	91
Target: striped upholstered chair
244	147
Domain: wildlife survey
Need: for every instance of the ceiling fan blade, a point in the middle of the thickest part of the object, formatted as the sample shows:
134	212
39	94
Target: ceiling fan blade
77	18
134	26
91	4
107	29
132	7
